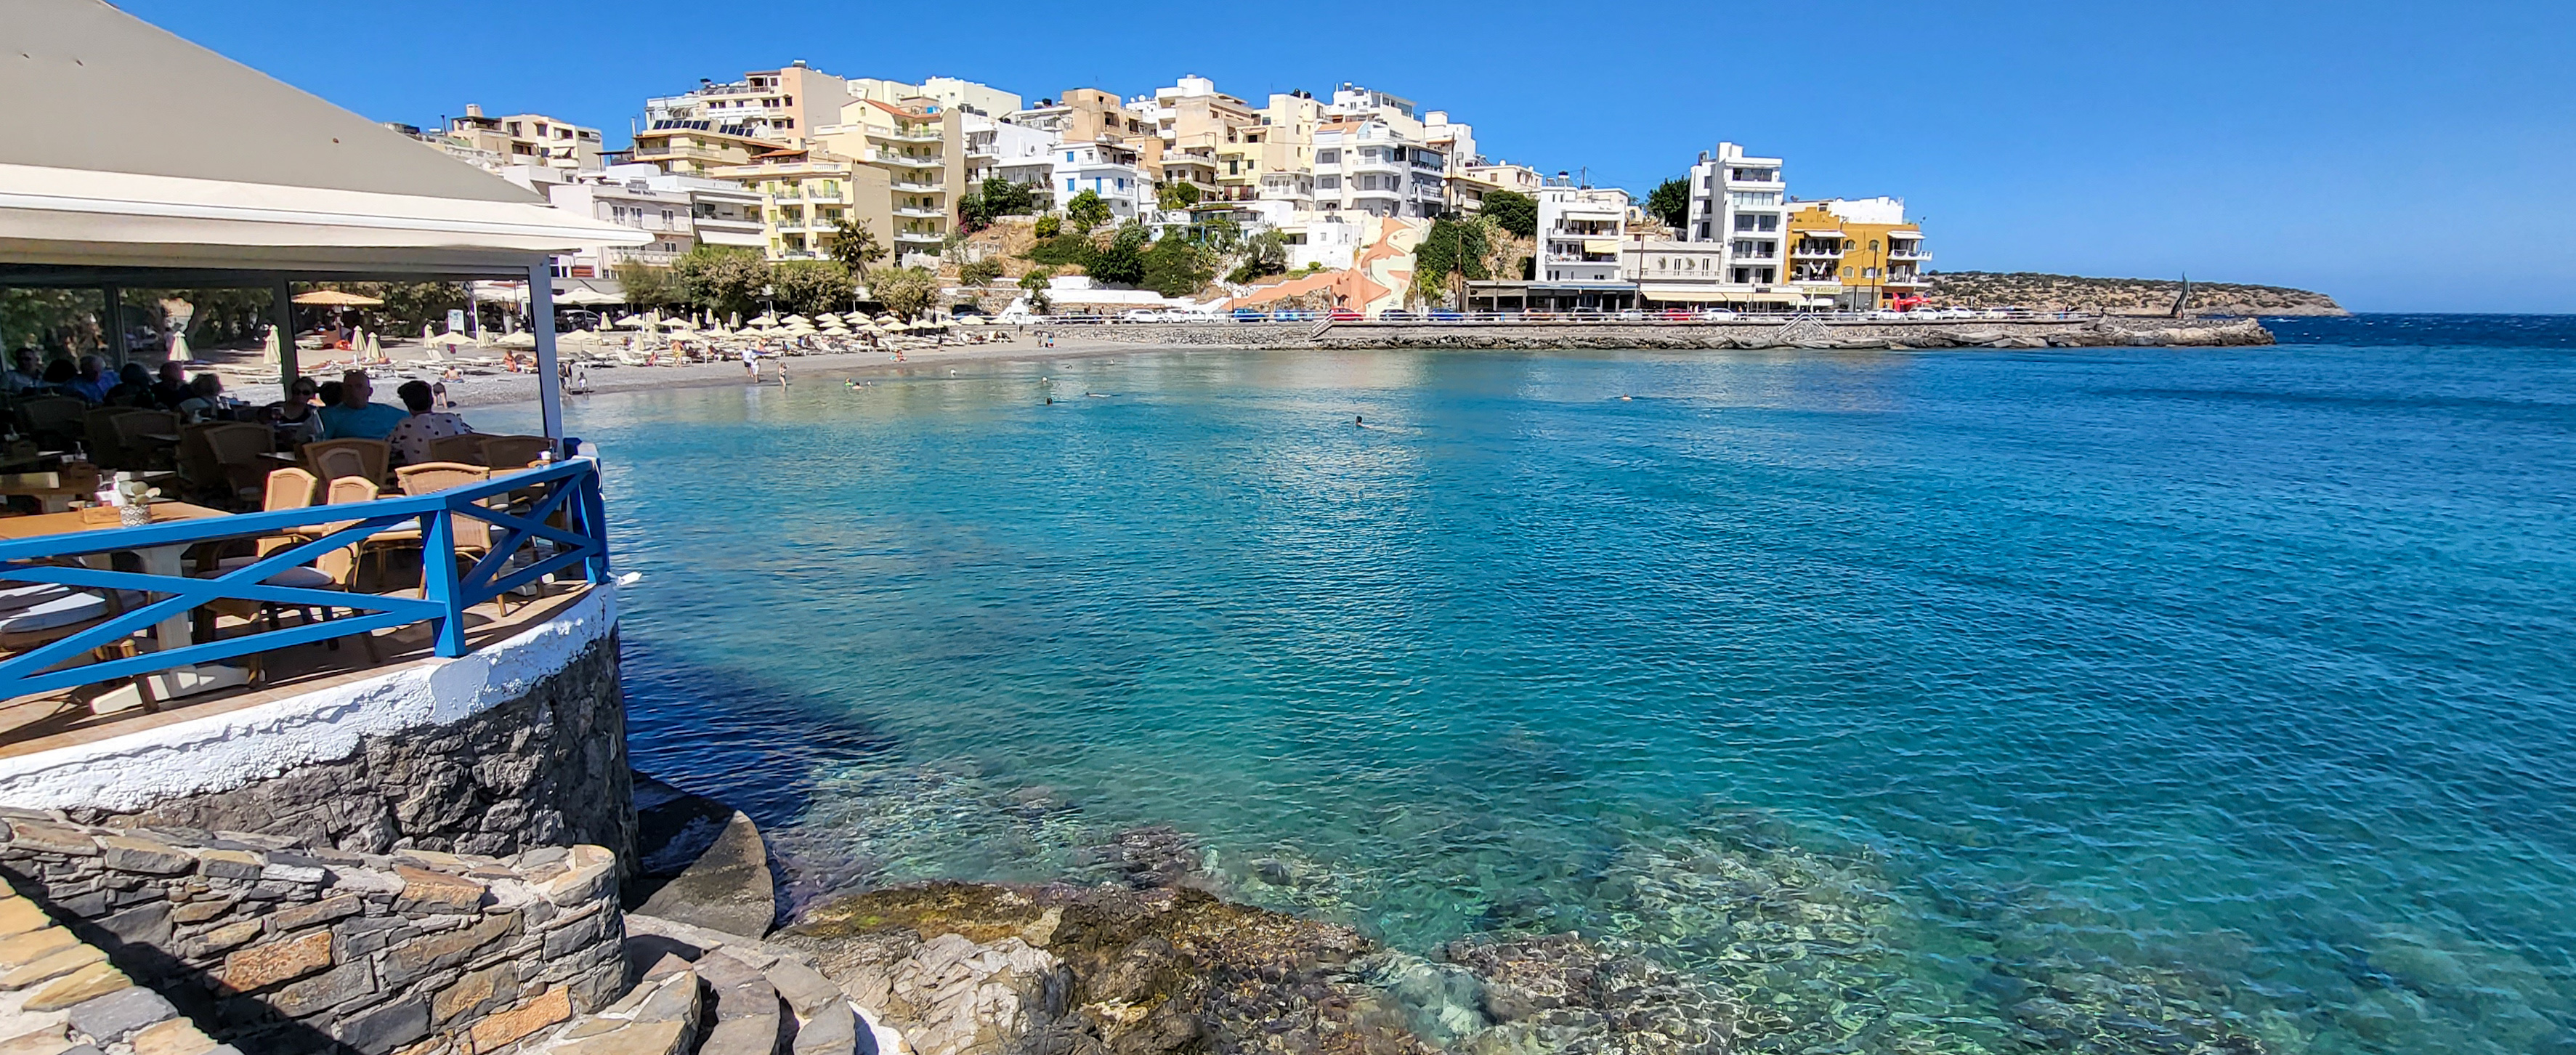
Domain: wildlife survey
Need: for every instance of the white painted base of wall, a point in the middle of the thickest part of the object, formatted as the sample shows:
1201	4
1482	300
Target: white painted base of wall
227	751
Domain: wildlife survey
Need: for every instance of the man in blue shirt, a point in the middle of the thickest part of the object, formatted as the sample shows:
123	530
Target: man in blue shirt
94	380
353	418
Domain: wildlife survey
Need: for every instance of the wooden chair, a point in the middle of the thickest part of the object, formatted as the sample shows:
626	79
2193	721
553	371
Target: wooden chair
334	459
504	453
349	490
57	419
473	537
223	458
37	614
98	430
131	428
462	450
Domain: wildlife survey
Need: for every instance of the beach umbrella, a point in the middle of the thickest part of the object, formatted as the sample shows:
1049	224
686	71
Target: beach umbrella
274	353
335	298
795	319
971	320
179	348
452	341
734	321
375	348
633	322
828	317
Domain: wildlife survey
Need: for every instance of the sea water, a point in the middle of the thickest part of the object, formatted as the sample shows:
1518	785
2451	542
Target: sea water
1925	698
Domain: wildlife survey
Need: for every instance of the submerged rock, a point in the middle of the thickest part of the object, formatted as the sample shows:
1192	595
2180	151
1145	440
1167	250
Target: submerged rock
979	967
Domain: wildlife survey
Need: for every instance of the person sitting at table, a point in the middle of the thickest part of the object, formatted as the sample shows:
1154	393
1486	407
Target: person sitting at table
411	439
353	417
92	381
25	371
205	398
172	386
296	418
134	389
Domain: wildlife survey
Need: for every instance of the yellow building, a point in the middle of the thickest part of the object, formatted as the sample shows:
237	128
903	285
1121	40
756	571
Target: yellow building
1880	262
1816	240
689	146
920	148
804	196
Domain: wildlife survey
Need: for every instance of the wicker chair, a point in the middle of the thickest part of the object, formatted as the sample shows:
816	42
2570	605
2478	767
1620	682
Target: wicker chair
462	450
514	452
334	459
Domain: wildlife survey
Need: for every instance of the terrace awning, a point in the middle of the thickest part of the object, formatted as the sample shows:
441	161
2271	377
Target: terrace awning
160	163
1601	245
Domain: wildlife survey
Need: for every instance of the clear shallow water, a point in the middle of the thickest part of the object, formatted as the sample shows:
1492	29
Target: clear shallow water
1904	691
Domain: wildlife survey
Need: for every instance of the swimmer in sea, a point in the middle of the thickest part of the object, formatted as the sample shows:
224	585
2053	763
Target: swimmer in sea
1355	420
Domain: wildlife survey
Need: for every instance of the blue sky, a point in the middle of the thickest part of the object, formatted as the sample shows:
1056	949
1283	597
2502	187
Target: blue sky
2402	157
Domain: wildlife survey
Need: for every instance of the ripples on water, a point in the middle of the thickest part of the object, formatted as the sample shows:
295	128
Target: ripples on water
2135	699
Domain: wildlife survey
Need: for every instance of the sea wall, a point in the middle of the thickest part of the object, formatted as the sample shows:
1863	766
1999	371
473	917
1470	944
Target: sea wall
275	948
1963	333
518	745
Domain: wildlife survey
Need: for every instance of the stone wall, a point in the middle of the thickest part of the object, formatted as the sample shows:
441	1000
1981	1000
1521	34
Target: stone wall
279	949
1963	333
517	745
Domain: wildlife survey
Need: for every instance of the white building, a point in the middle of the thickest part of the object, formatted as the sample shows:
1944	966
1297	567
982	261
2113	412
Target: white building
1365	165
1020	154
949	92
1107	169
1741	201
1580	232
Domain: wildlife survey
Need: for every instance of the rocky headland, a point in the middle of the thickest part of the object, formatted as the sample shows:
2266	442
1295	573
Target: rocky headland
2120	296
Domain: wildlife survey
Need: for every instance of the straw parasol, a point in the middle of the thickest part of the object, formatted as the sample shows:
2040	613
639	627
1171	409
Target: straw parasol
335	298
179	348
452	340
274	353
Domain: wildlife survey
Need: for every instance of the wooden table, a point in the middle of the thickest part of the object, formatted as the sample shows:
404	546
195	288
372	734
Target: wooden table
173	632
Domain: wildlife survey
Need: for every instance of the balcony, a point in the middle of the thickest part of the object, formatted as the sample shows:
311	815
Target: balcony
898	135
919	187
932	237
1908	254
924	161
1809	252
619	254
918	213
1904	280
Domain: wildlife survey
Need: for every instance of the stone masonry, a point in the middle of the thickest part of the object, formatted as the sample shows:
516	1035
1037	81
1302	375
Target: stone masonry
545	768
278	949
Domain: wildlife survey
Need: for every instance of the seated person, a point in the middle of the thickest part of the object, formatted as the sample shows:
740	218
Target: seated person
134	389
411	438
353	417
205	398
92	383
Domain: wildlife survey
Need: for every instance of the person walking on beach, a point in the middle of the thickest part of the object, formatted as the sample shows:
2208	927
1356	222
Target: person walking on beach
782	373
751	364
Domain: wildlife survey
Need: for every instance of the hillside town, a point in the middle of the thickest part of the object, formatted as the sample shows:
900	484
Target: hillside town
1182	200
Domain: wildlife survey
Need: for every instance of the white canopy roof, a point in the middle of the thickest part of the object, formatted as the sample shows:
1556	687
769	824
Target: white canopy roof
156	154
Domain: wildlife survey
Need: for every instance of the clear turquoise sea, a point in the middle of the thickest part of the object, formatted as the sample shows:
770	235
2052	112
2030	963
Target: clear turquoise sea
1933	700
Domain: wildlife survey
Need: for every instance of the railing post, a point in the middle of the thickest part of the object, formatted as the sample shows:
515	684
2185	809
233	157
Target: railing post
438	580
594	522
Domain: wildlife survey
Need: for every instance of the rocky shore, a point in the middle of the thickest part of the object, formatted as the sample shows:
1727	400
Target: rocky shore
1803	333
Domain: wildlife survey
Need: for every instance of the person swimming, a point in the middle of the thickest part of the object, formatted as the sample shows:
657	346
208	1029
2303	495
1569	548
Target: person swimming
1355	420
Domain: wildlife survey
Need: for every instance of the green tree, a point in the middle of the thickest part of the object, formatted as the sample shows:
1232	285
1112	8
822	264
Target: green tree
854	245
1453	247
1005	198
1048	226
807	287
722	278
644	283
1177	267
1176	195
972	215
1513	211
1034	285
1670	203
1122	261
1264	254
1086	211
905	291
979	272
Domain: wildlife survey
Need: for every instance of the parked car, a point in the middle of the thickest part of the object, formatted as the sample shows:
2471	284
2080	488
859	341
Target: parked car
1674	315
1397	315
1957	313
1141	315
1631	315
1445	315
1292	315
1886	315
1717	315
1345	315
1250	315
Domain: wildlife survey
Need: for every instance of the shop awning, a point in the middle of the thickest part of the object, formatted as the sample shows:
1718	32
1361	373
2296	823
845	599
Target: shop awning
1601	245
1894	236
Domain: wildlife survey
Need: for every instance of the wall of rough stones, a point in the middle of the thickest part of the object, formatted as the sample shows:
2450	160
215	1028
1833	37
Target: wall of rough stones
547	767
275	948
1715	335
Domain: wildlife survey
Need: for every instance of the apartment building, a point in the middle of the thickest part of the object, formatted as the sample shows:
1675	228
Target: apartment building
948	93
1352	101
1365	165
804	195
1285	159
1816	242
1881	255
527	139
1742	201
1580	232
621	195
1467	185
1084	115
784	105
1112	170
921	148
697	146
1022	155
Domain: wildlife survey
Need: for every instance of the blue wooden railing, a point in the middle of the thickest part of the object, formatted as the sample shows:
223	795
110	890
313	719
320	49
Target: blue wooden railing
521	505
